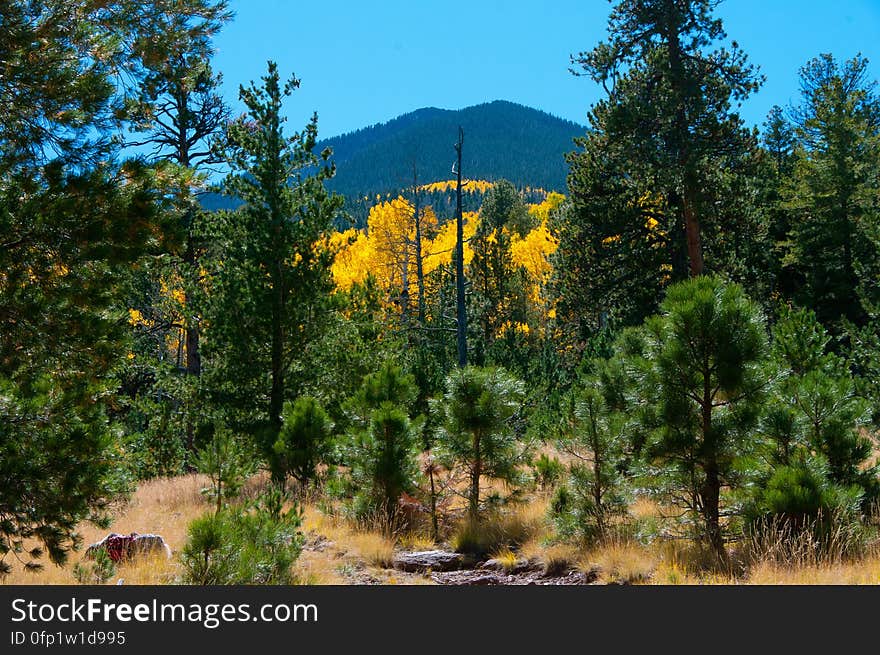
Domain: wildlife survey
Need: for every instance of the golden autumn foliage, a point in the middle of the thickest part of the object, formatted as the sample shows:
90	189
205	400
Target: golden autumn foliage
542	210
467	186
171	307
386	248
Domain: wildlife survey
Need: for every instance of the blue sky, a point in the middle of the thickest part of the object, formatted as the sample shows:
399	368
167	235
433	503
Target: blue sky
363	62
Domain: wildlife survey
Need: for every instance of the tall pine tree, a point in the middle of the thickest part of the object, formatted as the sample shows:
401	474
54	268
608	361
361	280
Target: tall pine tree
271	276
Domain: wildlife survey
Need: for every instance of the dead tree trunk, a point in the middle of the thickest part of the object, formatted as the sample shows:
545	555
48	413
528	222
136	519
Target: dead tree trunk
420	272
460	310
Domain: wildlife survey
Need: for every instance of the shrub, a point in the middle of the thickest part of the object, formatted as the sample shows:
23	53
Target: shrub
304	441
383	461
244	545
800	510
548	471
226	462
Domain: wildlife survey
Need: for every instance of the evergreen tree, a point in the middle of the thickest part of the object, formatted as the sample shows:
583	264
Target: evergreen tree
595	492
779	147
700	368
383	461
833	194
660	170
74	222
498	287
226	463
825	415
271	275
304	441
384	441
476	433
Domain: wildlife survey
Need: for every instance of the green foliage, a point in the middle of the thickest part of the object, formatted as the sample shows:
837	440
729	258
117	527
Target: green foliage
75	220
832	192
800	493
384	442
176	108
348	348
548	471
244	545
227	463
700	370
821	414
595	492
476	433
498	288
304	441
387	385
156	451
383	463
96	572
863	354
799	506
661	184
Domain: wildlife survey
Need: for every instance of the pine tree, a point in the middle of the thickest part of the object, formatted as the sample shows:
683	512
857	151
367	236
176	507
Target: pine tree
833	193
74	222
271	275
661	164
383	442
596	440
304	441
701	370
178	112
824	413
476	433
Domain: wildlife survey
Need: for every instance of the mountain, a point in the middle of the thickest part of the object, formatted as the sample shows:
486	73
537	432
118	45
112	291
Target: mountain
501	140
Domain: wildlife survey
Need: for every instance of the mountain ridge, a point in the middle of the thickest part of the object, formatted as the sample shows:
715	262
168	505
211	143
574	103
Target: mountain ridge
502	139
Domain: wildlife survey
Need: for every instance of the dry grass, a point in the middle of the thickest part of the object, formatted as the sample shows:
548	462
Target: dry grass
506	558
865	571
338	551
415	541
509	528
163	506
624	563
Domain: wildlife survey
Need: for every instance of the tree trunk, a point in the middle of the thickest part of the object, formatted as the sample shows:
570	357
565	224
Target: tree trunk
681	148
420	272
435	532
276	397
461	312
692	234
710	497
710	494
597	485
193	355
476	472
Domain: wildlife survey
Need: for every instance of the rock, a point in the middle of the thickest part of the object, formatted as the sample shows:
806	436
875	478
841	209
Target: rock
534	576
123	547
470	578
430	560
520	566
